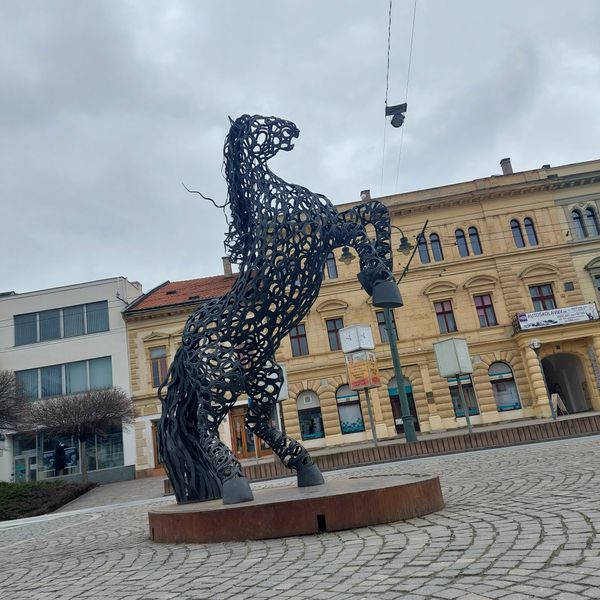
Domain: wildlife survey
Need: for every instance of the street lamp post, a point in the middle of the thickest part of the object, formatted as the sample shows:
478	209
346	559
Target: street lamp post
535	345
407	419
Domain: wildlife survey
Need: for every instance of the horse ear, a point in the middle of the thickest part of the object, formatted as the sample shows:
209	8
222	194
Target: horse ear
230	120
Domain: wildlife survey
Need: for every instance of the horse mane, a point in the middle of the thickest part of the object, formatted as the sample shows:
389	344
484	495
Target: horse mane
234	155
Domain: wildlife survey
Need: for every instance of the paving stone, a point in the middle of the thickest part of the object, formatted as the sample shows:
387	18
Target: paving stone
515	526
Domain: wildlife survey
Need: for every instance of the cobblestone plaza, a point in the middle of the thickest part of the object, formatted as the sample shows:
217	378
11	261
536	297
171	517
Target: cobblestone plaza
519	522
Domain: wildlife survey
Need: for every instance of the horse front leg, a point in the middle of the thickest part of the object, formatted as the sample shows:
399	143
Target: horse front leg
375	256
263	390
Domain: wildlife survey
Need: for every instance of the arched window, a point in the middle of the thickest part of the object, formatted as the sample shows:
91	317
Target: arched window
530	231
578	223
504	387
349	411
395	402
436	247
591	221
474	239
309	415
517	233
330	264
423	250
461	242
468	394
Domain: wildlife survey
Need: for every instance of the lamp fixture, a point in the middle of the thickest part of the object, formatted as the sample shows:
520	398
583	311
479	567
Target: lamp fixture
405	246
347	257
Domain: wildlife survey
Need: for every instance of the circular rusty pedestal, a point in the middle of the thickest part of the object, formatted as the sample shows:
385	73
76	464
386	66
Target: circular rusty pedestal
275	512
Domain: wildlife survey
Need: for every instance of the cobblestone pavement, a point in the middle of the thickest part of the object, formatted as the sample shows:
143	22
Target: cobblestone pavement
519	522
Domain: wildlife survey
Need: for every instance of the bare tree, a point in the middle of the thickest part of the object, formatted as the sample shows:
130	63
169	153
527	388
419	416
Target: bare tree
82	416
14	406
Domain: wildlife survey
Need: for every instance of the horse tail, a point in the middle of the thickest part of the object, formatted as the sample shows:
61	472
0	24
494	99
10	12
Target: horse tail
187	464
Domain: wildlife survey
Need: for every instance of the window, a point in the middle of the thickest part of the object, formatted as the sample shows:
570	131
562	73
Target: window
29	380
504	387
100	373
76	377
97	316
25	329
309	416
69	378
51	379
61	322
158	360
578	223
485	310
333	333
73	321
591	222
423	250
349	411
331	266
445	316
461	242
517	233
49	325
475	243
530	232
542	297
298	340
382	328
436	247
468	395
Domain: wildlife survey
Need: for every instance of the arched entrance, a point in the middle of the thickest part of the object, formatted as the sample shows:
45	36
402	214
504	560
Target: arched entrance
565	376
395	402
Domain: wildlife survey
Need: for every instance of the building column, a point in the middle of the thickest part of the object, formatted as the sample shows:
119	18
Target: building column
435	421
540	403
595	361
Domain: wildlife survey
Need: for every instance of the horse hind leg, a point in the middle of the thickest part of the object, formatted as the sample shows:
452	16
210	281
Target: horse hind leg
217	399
263	391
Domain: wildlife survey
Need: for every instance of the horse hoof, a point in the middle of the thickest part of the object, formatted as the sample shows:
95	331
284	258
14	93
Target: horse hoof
309	475
236	490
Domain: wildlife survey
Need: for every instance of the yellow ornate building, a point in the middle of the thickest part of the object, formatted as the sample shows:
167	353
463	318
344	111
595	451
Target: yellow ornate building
510	262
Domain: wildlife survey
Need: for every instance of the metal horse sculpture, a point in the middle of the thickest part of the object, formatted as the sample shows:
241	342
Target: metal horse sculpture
280	235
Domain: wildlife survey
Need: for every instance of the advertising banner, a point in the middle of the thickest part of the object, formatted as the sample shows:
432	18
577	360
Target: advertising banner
363	371
558	316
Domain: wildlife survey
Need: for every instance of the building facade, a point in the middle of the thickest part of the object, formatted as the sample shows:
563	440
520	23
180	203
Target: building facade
67	340
154	327
511	263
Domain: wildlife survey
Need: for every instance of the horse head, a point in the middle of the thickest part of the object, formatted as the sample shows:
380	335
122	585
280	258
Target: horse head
259	138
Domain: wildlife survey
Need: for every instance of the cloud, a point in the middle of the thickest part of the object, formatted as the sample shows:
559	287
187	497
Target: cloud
106	108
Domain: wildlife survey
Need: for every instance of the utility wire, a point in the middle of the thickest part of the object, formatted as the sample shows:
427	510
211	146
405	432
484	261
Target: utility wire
412	37
387	86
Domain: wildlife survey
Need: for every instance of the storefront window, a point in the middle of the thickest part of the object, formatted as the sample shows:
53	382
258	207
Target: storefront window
504	386
309	416
348	403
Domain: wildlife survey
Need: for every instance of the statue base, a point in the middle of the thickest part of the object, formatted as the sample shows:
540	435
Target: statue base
340	503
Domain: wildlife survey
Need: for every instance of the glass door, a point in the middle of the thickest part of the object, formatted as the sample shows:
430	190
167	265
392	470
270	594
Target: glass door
25	468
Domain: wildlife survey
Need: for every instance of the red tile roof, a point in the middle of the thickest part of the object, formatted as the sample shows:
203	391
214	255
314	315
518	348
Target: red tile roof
172	293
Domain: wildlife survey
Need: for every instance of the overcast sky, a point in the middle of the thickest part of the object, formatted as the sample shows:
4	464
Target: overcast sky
106	107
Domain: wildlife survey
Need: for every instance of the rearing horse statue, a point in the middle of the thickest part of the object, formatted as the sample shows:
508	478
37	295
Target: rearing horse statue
280	235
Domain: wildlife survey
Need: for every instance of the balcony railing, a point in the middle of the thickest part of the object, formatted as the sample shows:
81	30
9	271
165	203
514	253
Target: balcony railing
557	316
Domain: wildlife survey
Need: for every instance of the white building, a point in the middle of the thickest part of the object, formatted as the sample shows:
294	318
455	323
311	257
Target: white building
66	340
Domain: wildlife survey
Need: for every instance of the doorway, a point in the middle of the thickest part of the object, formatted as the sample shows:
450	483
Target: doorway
397	409
565	376
244	443
25	468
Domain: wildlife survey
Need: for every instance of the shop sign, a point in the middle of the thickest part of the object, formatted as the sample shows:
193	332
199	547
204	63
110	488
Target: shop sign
558	316
362	370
